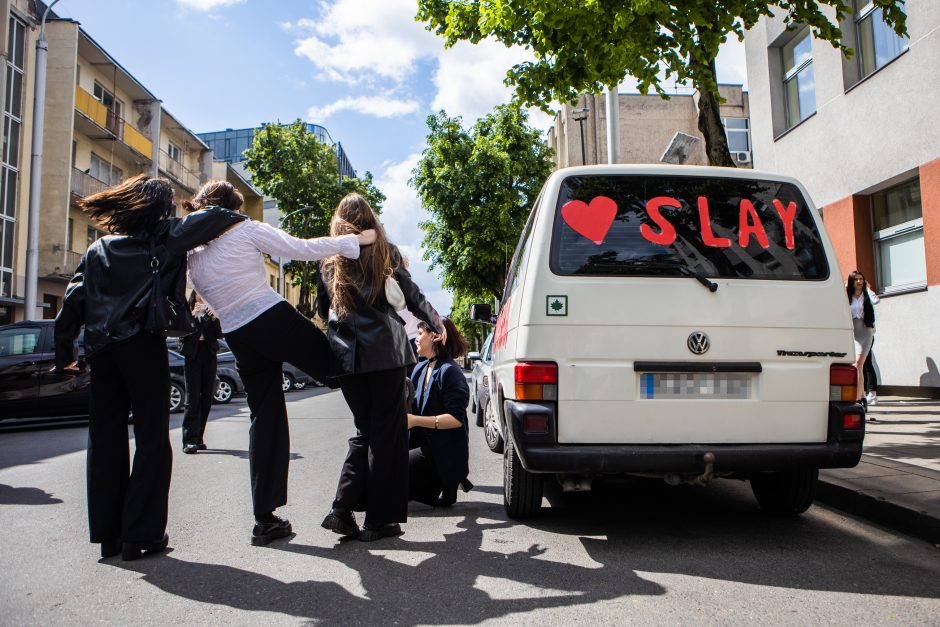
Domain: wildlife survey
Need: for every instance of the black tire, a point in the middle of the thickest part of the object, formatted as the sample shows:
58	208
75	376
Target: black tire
491	433
522	490
287	382
224	392
477	410
785	493
177	397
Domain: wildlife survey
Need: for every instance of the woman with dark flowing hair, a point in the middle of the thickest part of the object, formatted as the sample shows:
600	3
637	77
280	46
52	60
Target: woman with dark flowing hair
109	294
263	331
372	360
861	303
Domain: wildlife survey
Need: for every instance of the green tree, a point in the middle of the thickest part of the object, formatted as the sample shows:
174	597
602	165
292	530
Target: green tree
585	46
289	164
475	332
478	186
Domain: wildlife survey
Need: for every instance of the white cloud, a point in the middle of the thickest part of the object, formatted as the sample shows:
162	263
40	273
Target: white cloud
469	78
207	5
401	214
376	106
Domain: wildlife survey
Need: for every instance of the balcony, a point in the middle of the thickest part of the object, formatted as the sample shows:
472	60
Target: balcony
84	184
99	122
178	172
72	259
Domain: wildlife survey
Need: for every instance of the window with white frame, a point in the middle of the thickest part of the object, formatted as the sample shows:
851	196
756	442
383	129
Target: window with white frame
106	172
798	82
877	42
738	132
174	152
898	225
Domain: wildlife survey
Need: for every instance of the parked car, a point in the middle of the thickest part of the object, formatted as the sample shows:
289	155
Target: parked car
683	322
28	387
480	396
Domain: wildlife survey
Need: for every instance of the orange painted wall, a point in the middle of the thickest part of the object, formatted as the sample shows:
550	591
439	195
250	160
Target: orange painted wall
930	201
848	222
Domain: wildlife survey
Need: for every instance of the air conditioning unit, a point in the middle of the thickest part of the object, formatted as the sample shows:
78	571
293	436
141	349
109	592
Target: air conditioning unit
741	156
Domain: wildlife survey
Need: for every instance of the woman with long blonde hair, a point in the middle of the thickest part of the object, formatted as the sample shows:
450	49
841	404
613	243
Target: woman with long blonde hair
373	358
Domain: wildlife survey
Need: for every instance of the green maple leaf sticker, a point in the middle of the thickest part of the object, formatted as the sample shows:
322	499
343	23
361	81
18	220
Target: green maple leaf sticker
556	305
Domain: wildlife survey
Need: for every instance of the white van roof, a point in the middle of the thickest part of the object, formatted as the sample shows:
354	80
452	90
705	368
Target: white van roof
660	169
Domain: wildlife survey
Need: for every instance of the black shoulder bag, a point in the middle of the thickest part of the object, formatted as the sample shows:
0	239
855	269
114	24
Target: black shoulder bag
163	316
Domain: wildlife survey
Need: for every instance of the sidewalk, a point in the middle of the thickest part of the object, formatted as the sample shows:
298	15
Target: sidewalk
897	483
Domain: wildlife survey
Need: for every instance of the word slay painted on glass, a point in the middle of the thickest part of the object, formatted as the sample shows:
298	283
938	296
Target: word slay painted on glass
593	221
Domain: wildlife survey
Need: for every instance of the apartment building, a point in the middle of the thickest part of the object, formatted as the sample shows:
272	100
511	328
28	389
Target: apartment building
647	126
863	134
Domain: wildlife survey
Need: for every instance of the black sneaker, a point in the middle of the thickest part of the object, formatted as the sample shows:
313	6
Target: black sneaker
202	446
263	533
371	534
341	521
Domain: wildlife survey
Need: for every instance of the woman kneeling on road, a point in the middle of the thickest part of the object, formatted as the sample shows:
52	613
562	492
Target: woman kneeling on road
440	452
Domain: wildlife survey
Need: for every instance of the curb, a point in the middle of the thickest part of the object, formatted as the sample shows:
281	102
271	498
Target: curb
876	508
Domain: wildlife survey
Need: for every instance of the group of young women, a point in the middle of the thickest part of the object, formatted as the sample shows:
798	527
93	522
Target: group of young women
365	349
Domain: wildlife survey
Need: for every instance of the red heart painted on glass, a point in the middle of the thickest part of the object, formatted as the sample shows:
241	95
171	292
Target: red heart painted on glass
590	220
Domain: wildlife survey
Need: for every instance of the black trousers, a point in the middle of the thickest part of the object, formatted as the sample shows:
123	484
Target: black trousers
279	334
132	375
374	477
200	388
424	482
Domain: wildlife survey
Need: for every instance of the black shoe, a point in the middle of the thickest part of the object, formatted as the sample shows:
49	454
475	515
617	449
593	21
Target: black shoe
202	446
110	548
341	521
265	532
190	449
371	534
131	551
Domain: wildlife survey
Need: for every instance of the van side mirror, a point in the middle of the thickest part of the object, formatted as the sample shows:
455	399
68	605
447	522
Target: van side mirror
481	313
473	356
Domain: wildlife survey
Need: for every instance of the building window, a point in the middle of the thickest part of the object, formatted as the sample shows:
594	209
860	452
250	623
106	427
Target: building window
10	151
51	308
106	172
798	82
877	42
174	152
115	108
898	225
738	132
92	235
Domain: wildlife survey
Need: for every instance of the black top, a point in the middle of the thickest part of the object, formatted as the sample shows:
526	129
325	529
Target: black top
372	337
111	286
446	393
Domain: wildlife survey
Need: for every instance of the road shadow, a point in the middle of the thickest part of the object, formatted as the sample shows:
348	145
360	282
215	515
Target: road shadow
26	496
237	453
630	532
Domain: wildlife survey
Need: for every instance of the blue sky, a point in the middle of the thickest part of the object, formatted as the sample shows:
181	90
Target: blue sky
362	68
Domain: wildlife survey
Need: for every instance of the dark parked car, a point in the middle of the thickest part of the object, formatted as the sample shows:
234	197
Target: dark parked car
28	388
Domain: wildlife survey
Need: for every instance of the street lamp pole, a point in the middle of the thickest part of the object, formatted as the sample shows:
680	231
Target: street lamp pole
580	114
35	173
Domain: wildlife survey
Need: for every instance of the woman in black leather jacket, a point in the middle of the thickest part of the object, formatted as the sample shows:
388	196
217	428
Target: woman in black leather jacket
373	357
127	508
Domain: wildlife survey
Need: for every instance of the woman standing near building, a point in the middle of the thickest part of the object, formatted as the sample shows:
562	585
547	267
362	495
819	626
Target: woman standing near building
861	302
263	330
372	359
127	514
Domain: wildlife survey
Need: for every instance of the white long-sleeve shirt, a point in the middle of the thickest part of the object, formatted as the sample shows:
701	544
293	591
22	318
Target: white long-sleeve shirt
228	272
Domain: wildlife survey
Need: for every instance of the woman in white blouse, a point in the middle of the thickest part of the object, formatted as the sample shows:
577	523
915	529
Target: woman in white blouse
861	302
263	330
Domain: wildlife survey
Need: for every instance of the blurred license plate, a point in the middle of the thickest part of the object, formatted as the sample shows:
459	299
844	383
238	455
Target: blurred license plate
693	385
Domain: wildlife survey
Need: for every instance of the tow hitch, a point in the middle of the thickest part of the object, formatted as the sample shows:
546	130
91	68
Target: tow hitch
702	479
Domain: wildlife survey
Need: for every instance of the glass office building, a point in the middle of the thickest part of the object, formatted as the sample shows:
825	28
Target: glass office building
229	145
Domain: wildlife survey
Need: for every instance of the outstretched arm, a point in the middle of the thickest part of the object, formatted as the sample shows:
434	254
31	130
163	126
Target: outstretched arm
280	244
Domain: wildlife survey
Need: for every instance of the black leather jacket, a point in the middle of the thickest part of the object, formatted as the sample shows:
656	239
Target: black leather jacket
208	330
111	286
372	337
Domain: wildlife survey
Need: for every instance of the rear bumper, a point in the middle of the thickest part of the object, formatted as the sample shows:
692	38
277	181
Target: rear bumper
540	452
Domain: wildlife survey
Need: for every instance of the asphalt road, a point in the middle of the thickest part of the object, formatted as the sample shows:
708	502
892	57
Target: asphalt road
637	552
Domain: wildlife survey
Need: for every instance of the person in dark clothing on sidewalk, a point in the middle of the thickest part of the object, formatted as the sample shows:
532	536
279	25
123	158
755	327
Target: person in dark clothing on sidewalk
200	350
109	294
440	438
372	356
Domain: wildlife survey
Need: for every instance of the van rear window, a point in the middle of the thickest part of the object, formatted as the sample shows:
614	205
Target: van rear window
640	225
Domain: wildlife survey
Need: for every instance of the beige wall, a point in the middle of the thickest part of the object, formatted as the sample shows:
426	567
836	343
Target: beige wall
647	125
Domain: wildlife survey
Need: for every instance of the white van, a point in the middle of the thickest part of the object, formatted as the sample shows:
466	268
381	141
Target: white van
678	322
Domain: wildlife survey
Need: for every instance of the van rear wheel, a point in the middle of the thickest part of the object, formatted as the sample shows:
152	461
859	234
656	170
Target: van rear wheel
785	493
522	490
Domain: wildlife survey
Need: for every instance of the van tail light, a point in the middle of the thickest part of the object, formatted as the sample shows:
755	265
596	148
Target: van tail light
536	381
843	383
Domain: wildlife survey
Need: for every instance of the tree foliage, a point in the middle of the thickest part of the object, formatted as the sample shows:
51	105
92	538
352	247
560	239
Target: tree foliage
475	332
289	164
478	185
585	46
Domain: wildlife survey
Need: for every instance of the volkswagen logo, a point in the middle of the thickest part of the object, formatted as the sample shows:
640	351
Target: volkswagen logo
698	343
